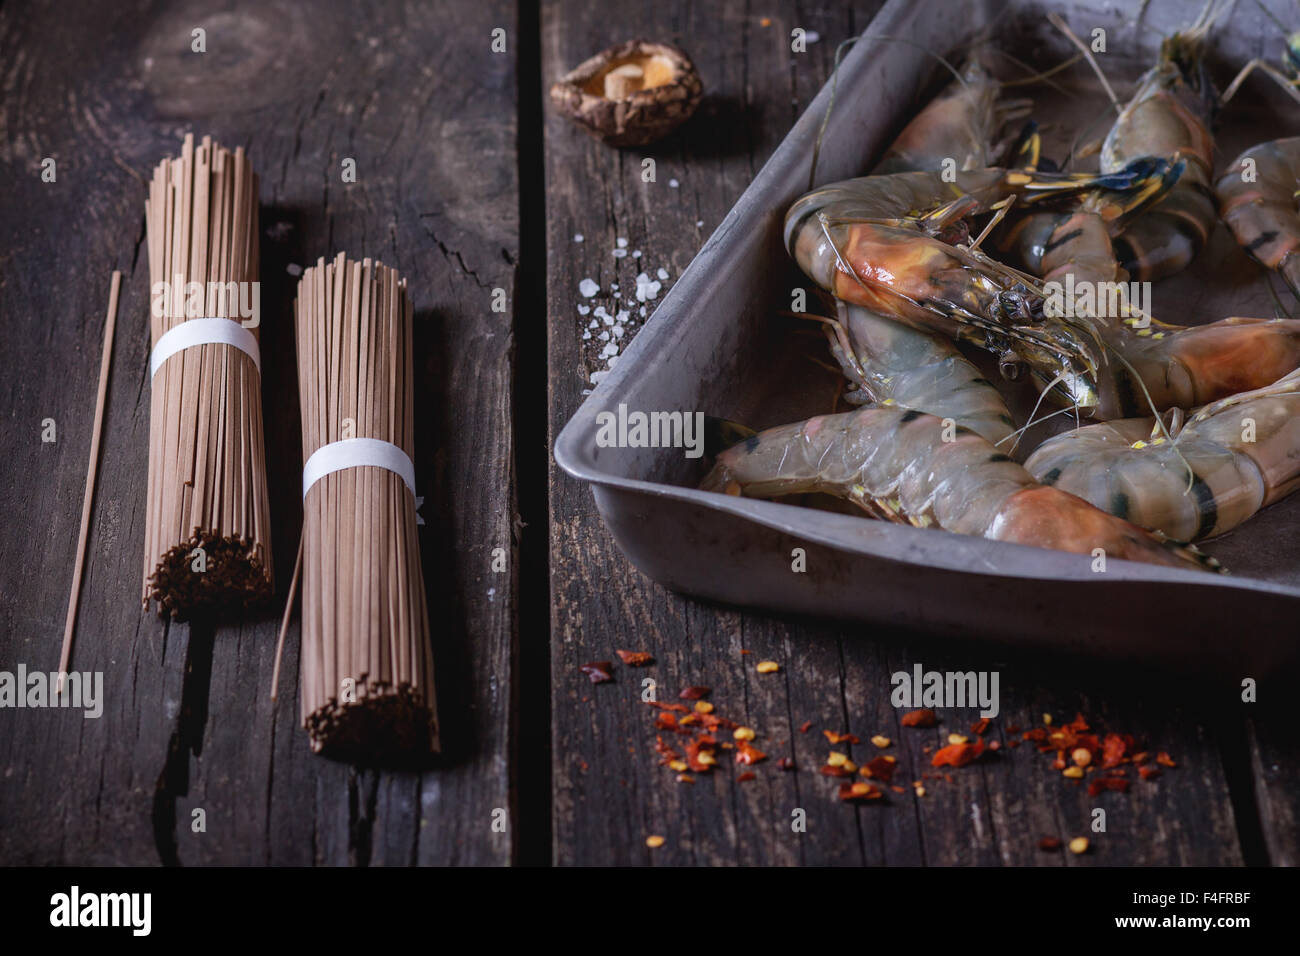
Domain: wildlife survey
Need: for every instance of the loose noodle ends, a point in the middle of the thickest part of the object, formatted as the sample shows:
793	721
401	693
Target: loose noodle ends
367	686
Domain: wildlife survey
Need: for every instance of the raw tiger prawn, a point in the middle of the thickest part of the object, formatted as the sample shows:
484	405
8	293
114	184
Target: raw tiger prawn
879	242
1168	116
1257	193
1226	462
896	464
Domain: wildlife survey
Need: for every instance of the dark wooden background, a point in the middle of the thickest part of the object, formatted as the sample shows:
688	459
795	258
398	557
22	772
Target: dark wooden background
468	182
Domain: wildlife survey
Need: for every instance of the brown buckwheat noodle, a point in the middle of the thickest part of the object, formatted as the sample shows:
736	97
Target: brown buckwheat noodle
207	466
367	666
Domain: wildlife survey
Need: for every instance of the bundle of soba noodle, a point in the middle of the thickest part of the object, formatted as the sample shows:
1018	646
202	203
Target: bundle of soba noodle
367	666
207	531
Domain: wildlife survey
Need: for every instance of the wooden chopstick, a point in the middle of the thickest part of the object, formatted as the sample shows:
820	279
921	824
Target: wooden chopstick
106	360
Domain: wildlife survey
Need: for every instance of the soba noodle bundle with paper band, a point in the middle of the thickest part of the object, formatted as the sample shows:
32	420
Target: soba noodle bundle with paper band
367	666
207	530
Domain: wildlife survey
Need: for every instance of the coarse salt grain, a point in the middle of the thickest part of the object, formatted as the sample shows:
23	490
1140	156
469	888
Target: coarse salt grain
646	288
588	288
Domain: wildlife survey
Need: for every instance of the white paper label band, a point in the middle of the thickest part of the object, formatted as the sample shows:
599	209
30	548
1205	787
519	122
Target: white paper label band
203	332
357	453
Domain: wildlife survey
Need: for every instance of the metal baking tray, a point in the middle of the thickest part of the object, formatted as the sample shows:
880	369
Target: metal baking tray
717	344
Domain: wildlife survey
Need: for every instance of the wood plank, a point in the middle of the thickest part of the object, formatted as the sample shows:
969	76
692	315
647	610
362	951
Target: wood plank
610	792
414	94
1275	780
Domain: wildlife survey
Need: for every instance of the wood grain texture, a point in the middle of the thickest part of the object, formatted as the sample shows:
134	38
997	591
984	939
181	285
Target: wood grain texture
413	93
609	790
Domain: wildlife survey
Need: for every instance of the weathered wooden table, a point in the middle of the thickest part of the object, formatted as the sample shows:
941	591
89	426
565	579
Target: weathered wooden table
467	182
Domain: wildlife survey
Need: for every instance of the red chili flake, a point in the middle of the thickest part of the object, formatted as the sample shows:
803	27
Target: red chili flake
695	693
1049	844
957	755
897	789
803	728
881	768
1013	728
665	720
920	718
1097	784
1088	742
599	672
713	722
1059	762
835	738
947	778
745	777
665	751
1039	736
747	753
1165	760
980	727
1013	743
1141	758
829	771
1078	725
860	791
785	763
660	705
703	745
635	658
1113	749
1148	772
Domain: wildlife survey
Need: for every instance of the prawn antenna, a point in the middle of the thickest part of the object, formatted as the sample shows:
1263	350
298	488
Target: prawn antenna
1074	407
1033	76
1032	421
1272	16
1055	19
835	76
1277	302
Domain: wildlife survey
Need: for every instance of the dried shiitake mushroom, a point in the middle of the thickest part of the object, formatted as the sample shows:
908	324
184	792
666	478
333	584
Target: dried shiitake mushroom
631	94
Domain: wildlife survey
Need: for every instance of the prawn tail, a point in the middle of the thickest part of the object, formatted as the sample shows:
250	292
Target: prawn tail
1146	174
721	434
1120	207
1025	151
